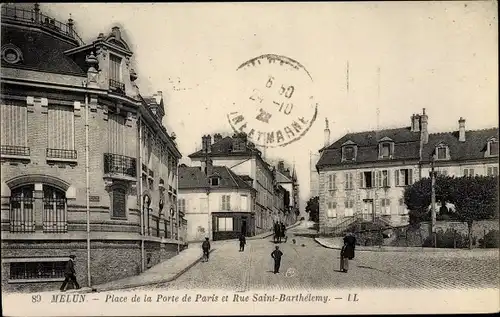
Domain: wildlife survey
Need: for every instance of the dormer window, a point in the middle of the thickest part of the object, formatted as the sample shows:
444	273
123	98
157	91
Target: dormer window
492	149
349	151
386	148
442	152
214	181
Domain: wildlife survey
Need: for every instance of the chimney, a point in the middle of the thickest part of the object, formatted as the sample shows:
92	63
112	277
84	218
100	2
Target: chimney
210	167
412	123
461	130
424	135
416	123
217	137
327	134
204	143
116	32
281	166
158	96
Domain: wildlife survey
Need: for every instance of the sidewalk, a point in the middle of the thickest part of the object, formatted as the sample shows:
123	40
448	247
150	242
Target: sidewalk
167	270
337	243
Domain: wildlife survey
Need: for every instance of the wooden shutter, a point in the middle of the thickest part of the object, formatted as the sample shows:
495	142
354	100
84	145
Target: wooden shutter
117	134
360	179
14	124
60	127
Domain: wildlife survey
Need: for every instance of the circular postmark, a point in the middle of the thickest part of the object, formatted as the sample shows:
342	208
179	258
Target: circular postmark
274	104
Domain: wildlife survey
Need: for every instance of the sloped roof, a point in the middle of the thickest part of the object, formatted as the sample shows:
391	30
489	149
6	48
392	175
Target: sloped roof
224	147
406	146
194	178
282	178
473	147
41	51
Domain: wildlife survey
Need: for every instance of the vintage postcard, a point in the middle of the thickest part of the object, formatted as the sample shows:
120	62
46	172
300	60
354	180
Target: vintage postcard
249	158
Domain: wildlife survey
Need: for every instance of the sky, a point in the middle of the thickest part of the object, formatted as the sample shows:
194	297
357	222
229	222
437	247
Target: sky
441	56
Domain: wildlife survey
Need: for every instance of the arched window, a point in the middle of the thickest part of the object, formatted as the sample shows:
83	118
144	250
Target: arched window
54	210
21	209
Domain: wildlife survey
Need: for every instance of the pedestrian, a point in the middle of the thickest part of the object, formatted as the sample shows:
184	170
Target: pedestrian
276	255
205	246
243	241
283	230
347	252
69	273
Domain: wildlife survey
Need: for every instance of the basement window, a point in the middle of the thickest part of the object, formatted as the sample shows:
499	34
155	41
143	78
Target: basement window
26	270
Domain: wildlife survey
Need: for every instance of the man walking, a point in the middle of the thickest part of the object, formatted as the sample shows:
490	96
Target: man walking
69	274
347	252
276	255
205	246
243	241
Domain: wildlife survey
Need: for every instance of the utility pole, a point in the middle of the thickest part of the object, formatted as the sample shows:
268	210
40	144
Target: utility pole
433	201
206	144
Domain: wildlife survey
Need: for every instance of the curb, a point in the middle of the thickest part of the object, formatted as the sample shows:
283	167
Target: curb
384	249
166	280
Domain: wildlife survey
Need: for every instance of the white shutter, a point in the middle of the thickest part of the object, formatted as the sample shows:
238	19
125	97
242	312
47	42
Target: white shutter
396	177
360	179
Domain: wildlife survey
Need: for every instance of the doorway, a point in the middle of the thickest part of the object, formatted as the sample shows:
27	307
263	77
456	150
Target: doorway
244	226
367	209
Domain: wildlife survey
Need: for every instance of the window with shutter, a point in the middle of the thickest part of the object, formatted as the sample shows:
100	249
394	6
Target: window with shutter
60	132
332	212
14	129
119	197
244	203
385	178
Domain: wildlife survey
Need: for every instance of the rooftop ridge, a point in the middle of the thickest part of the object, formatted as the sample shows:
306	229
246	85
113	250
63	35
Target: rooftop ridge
454	131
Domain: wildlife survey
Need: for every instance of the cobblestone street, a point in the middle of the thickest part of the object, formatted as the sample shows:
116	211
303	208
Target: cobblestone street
316	267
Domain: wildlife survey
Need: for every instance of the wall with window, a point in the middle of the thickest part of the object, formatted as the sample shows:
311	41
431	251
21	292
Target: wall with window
485	168
195	205
347	193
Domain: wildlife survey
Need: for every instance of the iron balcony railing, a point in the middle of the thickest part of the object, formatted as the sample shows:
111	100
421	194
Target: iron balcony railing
117	86
44	21
15	150
119	164
61	154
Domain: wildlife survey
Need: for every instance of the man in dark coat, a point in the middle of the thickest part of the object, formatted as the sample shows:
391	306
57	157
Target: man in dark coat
243	241
283	230
69	274
347	252
205	246
276	255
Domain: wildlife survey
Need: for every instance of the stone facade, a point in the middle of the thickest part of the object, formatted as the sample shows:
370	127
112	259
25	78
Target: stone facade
362	176
131	167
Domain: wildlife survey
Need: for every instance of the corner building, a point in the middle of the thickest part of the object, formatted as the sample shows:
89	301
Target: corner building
84	157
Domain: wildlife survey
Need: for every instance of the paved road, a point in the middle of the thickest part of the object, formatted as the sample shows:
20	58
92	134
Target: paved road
313	266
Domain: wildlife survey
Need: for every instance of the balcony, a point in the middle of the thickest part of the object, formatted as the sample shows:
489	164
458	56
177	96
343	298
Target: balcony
61	155
120	167
34	17
15	152
117	86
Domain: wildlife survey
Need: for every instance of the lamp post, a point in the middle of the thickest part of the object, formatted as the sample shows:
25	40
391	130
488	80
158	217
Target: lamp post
433	200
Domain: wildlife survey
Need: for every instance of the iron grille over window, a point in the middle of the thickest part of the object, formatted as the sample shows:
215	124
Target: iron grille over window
36	270
117	86
54	210
21	209
15	150
61	154
119	164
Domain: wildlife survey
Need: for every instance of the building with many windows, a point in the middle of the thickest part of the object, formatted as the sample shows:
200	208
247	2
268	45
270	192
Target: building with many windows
363	175
218	204
288	181
86	165
241	157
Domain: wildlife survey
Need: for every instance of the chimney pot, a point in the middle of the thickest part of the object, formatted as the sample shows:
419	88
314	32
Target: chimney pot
461	129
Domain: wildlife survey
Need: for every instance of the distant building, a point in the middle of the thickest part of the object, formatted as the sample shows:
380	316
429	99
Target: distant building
51	90
289	183
218	205
241	157
362	175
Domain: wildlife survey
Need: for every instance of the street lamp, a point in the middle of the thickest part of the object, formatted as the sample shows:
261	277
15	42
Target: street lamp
433	198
